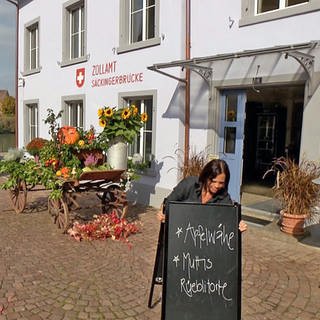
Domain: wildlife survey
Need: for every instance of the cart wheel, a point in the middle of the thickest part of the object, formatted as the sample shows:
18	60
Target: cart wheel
18	196
109	200
58	209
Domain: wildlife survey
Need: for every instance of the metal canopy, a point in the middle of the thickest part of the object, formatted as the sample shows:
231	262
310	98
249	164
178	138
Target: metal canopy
306	61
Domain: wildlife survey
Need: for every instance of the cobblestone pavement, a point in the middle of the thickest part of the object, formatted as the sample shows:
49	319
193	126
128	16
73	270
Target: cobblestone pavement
47	275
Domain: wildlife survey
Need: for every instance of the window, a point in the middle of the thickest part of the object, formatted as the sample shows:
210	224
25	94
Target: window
31	120
269	5
73	111
139	24
257	11
31	58
74	32
144	142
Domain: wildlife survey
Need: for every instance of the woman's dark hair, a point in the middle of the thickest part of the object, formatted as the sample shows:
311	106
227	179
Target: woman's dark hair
212	169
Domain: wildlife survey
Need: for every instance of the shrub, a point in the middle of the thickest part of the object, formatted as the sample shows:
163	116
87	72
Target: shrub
35	145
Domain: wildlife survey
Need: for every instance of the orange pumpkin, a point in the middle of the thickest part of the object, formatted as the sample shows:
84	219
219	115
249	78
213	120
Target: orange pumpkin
68	135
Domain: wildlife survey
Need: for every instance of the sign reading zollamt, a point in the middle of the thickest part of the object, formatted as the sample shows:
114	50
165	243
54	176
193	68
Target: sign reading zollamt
105	74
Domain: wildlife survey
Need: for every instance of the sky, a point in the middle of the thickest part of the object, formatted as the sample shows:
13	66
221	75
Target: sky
7	46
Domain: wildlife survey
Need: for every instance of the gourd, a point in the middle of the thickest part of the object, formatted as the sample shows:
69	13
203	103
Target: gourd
68	135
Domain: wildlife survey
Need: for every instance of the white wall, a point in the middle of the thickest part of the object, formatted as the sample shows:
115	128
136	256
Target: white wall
211	34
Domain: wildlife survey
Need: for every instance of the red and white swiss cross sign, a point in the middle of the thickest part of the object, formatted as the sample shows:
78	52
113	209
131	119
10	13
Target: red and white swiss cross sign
80	73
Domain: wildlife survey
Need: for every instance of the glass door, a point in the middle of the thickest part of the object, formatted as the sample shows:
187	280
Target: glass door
231	137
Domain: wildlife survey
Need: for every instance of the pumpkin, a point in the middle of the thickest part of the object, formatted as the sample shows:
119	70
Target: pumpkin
68	135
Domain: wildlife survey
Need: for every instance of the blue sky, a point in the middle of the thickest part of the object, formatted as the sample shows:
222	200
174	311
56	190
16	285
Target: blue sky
7	46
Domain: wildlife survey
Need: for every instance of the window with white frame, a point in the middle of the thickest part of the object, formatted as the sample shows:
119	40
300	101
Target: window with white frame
31	58
139	24
73	112
144	143
74	32
269	5
257	11
31	121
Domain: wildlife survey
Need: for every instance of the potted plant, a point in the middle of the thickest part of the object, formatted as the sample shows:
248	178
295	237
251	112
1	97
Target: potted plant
120	127
295	190
312	223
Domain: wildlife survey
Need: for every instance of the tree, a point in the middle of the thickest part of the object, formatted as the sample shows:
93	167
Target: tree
8	105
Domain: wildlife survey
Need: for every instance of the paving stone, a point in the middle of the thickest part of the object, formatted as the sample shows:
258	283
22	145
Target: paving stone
48	275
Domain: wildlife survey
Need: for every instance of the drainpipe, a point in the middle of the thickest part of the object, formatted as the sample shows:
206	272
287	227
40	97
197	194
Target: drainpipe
187	86
16	3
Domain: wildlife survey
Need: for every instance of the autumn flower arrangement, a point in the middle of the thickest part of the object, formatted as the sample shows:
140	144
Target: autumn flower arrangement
104	226
123	123
35	145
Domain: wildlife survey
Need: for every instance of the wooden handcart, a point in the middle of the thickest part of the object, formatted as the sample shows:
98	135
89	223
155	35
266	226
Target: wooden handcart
105	184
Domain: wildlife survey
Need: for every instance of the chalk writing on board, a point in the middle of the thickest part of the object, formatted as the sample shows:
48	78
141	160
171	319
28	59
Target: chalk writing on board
203	236
208	286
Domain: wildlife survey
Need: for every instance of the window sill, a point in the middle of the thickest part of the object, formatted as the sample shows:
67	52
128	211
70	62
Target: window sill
65	63
279	14
138	45
30	72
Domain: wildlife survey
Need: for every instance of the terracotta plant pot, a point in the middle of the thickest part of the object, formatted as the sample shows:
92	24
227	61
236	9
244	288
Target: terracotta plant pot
292	224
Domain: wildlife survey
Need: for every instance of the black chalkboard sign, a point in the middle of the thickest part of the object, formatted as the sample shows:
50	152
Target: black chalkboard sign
202	263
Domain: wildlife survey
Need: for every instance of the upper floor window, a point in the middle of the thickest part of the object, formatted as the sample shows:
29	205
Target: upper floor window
31	57
74	32
142	22
269	5
139	24
31	120
73	111
257	11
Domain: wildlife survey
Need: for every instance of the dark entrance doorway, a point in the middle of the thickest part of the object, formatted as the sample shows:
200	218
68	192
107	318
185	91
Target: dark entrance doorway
272	129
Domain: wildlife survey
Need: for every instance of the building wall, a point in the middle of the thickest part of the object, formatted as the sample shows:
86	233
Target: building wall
214	30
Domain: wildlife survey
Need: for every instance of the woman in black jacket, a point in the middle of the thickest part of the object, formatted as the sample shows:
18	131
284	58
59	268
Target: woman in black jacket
210	187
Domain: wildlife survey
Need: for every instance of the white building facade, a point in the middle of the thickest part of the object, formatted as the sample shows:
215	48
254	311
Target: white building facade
254	85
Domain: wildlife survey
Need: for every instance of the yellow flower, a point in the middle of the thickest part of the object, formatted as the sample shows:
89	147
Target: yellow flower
108	112
100	112
102	123
144	117
126	113
58	173
134	110
81	143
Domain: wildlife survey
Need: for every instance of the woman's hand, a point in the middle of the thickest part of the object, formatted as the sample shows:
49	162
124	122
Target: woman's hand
161	217
242	226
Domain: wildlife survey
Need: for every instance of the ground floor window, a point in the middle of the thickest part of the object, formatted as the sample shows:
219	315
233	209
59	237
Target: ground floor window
73	112
31	121
144	142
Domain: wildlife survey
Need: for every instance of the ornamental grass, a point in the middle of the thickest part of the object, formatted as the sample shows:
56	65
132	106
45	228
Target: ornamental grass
293	186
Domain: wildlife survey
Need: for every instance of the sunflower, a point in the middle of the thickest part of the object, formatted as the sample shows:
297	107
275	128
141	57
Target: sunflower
144	117
126	113
108	112
100	112
102	123
134	110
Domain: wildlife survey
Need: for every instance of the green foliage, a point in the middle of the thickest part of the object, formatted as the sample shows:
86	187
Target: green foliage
52	120
8	105
32	173
123	124
7	124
